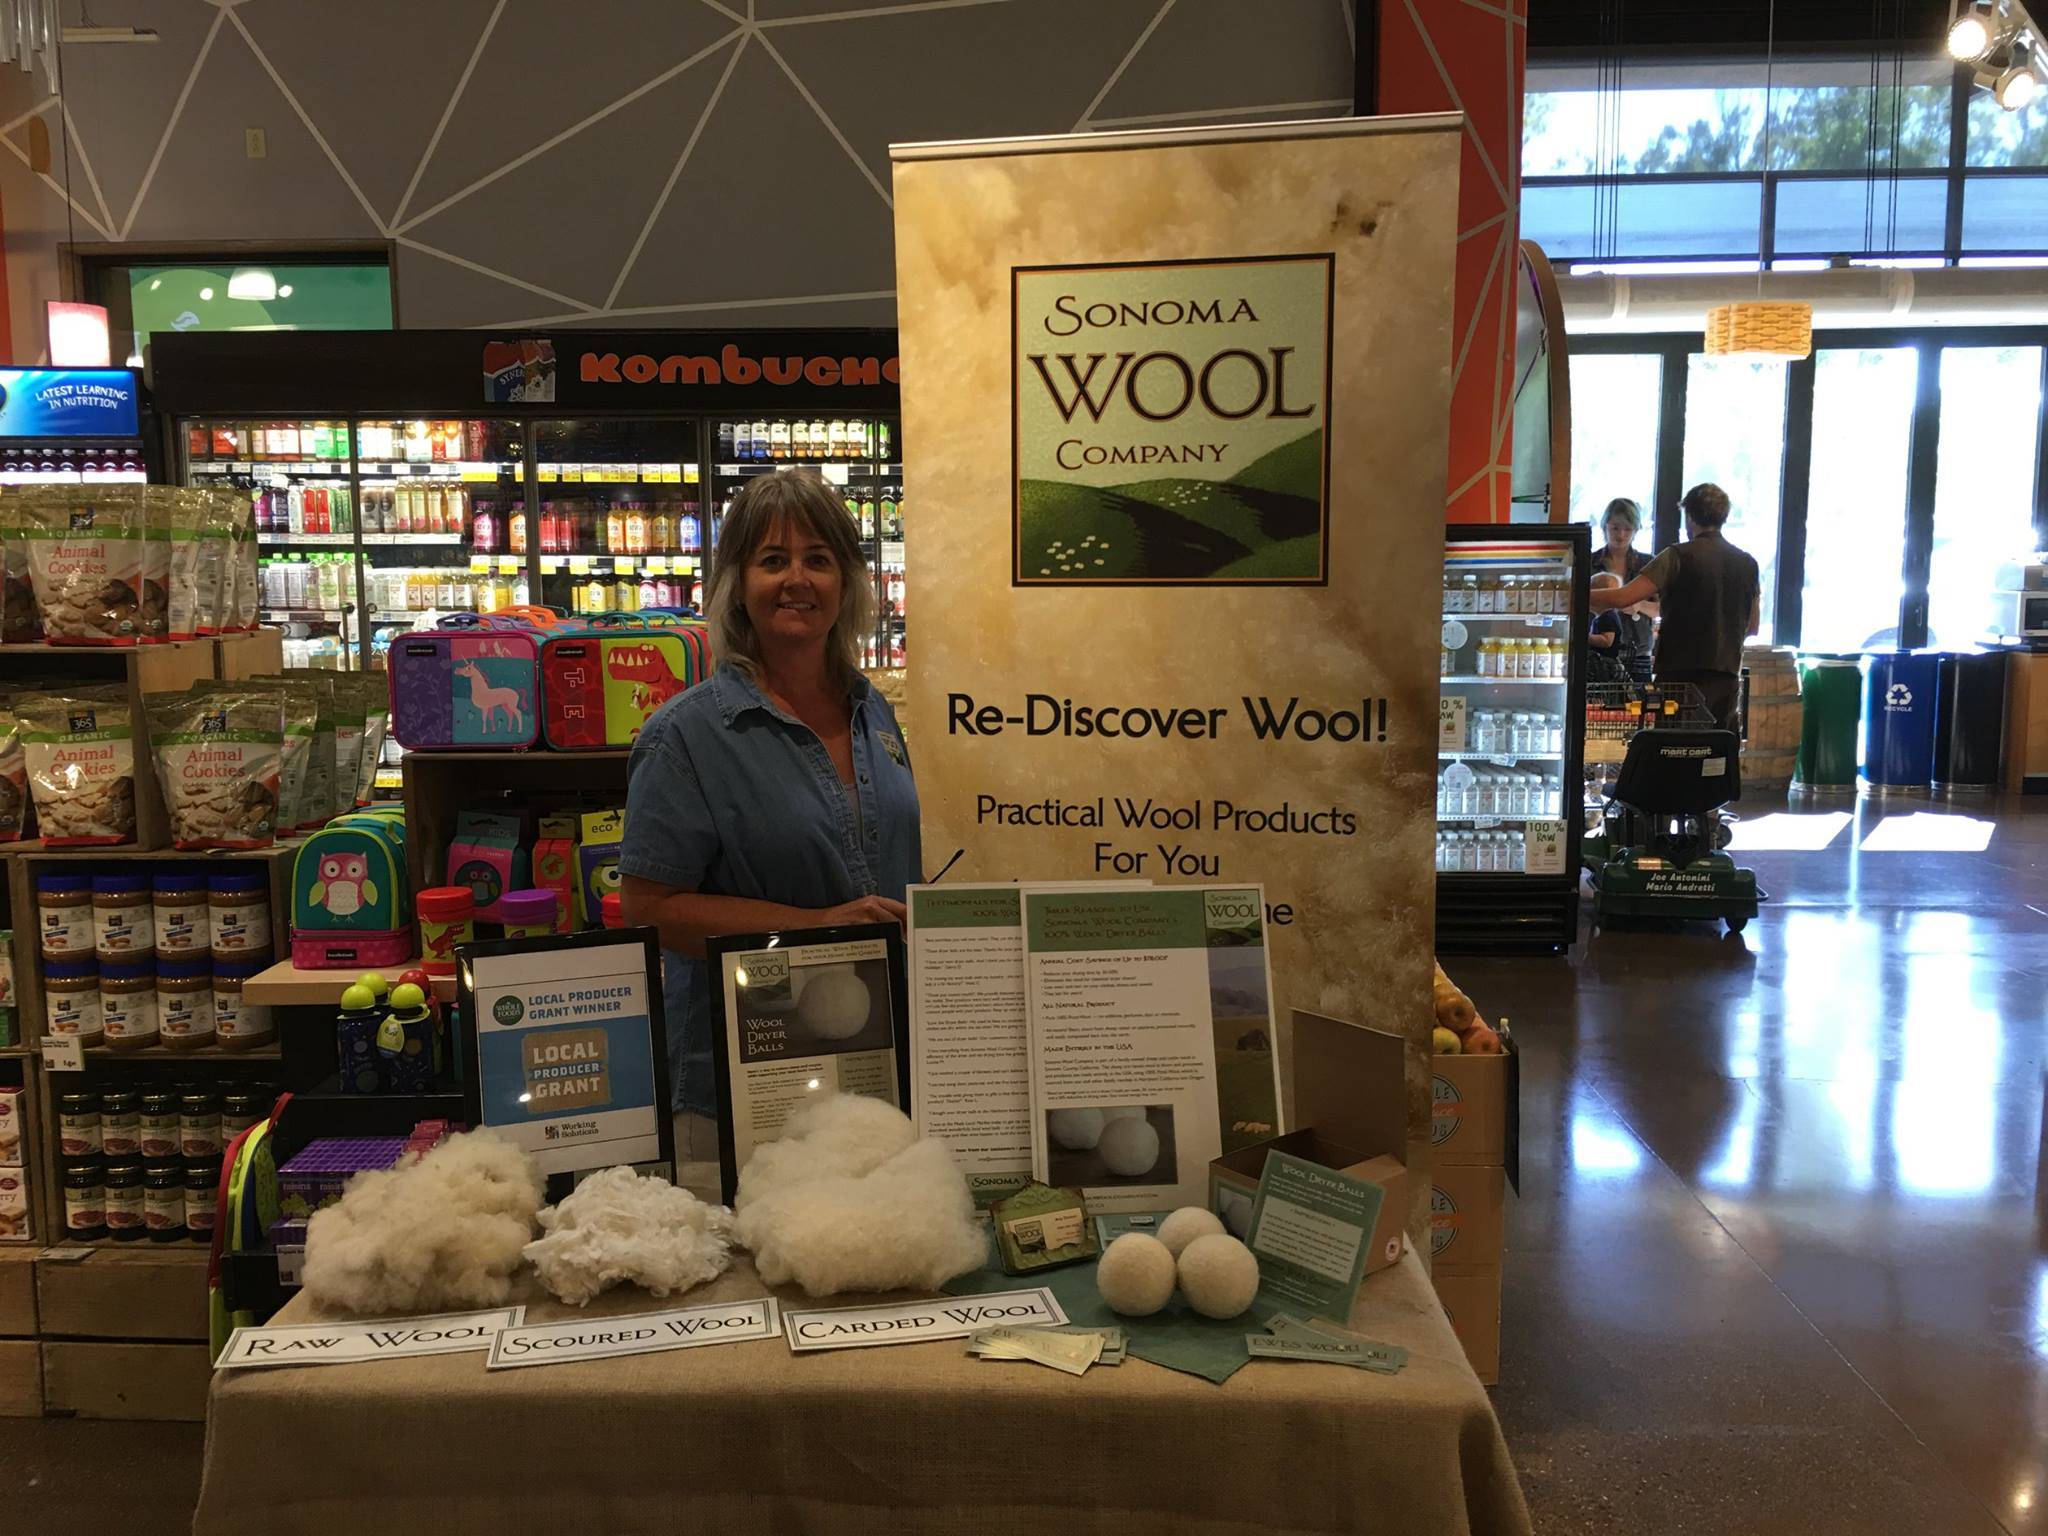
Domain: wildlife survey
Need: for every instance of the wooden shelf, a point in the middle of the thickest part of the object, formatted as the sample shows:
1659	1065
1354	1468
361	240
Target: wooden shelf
35	850
209	1053
286	985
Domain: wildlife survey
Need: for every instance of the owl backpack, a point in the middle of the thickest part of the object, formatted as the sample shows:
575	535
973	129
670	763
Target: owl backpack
351	903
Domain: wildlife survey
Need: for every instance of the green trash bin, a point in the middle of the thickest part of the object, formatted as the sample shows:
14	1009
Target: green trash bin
1831	691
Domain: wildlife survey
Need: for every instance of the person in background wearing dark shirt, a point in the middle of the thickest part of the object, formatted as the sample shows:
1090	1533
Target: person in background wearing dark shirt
1711	601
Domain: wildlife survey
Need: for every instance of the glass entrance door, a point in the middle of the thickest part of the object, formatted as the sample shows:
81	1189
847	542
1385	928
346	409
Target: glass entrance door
1856	497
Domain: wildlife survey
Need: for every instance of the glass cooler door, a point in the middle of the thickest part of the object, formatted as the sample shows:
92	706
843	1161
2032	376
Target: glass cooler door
862	457
1512	660
299	475
437	499
620	526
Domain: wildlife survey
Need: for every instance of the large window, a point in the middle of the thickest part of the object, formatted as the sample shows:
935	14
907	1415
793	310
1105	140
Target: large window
1856	497
1880	484
1735	437
1984	484
1670	166
1615	407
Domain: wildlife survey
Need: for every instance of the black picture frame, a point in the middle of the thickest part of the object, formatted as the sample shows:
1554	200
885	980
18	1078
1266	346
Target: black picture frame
716	950
647	941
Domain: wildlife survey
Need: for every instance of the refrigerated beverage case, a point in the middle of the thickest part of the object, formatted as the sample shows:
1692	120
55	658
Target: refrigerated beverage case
884	448
800	440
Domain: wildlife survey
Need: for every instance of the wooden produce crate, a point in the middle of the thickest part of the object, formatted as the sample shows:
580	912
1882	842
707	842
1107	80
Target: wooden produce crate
169	668
248	654
126	1379
124	1332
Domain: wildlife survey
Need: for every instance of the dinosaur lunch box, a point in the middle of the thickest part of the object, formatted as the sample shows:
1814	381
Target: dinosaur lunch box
599	688
466	687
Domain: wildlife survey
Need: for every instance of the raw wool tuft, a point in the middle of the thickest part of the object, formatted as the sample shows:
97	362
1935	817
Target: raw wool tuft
617	1226
850	1200
443	1232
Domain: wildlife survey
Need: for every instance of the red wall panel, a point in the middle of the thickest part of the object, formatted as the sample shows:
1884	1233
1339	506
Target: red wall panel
1468	56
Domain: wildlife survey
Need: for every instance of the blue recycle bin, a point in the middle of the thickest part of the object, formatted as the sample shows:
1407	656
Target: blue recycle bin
1899	697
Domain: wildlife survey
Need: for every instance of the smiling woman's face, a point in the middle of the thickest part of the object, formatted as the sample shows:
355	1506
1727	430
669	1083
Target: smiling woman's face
793	586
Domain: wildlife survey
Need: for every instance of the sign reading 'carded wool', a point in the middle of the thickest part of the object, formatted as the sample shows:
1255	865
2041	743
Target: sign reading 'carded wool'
1171	421
445	1333
645	1333
913	1322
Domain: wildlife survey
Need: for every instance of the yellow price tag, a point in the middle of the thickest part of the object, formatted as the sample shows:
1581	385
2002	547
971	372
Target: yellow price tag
548	471
550	563
657	565
509	567
579	565
689	474
623	565
480	564
572	472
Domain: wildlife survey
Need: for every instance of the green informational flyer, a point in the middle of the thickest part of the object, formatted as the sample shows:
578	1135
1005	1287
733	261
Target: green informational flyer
1309	1229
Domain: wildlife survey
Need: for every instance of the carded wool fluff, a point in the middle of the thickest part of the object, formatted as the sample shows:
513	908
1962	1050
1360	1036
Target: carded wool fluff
850	1200
442	1232
617	1226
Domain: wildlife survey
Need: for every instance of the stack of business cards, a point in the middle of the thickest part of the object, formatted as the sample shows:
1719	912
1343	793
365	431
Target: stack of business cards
1289	1338
1068	1349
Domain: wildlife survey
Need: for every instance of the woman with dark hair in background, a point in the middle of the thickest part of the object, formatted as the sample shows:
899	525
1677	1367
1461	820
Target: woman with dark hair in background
1634	628
776	794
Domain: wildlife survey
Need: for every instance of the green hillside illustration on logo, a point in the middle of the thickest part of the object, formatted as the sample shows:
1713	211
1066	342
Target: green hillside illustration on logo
1171	421
1263	524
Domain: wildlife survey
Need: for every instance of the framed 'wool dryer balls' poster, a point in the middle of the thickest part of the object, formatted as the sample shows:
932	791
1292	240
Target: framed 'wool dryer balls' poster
798	1015
568	1055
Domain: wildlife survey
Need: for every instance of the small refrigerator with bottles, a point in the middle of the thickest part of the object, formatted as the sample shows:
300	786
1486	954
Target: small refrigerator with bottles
1512	660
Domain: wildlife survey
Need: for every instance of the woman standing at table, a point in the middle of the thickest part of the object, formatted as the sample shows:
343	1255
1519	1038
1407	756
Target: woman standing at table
1635	626
776	794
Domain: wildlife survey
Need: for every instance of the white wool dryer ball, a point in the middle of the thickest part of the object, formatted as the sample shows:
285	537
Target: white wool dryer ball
1125	1112
1135	1275
834	1006
1187	1224
1076	1129
1129	1147
1218	1275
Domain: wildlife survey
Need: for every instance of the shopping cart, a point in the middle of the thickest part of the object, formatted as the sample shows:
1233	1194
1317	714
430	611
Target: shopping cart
1658	772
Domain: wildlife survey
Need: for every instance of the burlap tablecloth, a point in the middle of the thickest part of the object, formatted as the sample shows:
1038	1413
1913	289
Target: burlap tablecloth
910	1438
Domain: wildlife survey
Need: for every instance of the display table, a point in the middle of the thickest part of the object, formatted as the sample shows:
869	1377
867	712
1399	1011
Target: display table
907	1438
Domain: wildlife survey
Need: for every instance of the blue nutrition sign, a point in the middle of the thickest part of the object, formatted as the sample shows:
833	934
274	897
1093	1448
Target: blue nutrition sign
68	402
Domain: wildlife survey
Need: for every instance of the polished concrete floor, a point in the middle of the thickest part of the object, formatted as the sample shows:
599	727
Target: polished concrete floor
1778	1263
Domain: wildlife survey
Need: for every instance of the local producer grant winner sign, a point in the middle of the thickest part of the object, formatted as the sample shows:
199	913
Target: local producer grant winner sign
1171	422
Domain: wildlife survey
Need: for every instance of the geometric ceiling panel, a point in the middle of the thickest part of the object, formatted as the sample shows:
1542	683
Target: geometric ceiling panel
550	64
1211	55
206	187
434	291
376	106
590	194
741	225
136	86
1054	56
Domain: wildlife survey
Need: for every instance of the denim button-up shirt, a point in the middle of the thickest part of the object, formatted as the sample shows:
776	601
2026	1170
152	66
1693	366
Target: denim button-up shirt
730	796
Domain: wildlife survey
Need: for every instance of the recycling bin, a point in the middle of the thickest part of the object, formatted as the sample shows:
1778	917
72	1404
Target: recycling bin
1969	722
1831	695
1899	689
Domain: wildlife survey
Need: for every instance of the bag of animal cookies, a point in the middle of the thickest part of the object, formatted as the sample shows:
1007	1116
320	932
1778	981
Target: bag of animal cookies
86	554
212	562
184	513
316	805
79	753
375	693
219	751
20	624
13	777
244	583
155	590
296	710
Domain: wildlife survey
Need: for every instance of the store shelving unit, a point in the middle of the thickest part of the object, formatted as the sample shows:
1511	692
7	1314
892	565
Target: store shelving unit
1508	770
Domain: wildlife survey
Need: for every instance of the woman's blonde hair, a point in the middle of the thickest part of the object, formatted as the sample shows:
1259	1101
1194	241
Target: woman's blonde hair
809	506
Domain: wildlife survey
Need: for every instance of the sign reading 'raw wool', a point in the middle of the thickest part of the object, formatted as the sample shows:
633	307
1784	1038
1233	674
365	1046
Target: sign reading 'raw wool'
1171	421
1176	406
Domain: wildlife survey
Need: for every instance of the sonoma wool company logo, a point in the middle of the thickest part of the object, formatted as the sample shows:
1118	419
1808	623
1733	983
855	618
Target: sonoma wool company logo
1171	422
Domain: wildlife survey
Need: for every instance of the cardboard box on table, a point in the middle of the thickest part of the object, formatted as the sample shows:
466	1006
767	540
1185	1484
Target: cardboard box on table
1475	1144
1352	1102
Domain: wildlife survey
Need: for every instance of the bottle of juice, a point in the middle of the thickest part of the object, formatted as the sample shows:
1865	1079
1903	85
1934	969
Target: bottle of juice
615	530
518	533
457	509
636	529
661	532
484	531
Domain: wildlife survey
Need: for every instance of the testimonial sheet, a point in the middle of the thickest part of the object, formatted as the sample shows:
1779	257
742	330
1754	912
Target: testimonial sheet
969	1028
1150	1039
